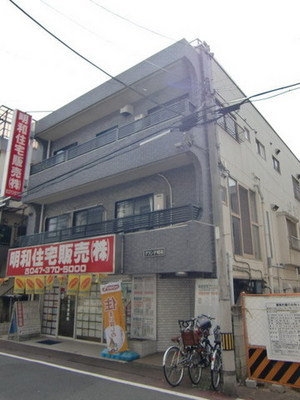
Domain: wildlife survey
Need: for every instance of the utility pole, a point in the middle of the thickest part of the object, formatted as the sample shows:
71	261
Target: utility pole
225	302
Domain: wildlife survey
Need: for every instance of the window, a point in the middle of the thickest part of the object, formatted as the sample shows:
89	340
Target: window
88	216
244	216
296	186
228	123
260	149
293	235
63	149
107	130
135	206
58	223
276	164
247	134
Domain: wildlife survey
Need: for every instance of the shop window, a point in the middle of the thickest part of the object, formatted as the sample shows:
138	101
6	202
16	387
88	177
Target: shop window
89	316
244	217
88	216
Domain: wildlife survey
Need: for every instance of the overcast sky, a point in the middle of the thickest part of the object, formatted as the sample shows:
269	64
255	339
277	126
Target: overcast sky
256	41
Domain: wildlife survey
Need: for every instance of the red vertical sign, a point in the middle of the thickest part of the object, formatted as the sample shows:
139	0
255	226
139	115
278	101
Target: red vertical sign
17	156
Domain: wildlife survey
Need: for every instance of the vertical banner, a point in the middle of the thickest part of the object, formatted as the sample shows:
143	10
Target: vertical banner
19	285
85	285
39	284
113	317
73	285
16	158
49	282
29	285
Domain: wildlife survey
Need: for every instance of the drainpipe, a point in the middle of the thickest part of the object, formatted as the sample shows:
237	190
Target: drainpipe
268	258
170	188
225	312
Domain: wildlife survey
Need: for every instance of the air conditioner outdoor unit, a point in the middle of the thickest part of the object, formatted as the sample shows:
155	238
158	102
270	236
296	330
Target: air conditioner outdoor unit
127	110
139	116
159	202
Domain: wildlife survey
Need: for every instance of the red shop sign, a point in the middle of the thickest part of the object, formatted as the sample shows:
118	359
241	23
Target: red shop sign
93	255
17	155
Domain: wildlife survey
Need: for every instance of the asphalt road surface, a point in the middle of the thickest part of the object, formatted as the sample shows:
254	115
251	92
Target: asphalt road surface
26	379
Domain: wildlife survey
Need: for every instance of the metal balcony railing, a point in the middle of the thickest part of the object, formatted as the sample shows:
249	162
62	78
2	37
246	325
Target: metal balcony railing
151	220
113	135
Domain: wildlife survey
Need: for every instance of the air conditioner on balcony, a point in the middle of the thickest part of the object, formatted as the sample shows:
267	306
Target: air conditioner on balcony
126	110
139	116
159	201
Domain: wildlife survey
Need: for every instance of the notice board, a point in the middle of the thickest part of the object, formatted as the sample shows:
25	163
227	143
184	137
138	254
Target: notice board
25	321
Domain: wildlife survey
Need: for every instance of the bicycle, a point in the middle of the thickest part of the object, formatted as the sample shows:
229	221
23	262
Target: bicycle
194	351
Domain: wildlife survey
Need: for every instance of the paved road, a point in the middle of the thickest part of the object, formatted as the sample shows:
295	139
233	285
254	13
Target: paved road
25	379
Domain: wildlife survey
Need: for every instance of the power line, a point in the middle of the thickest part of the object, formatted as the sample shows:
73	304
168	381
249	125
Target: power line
89	61
132	22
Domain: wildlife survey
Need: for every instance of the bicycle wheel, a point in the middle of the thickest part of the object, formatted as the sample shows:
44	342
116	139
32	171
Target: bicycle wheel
206	354
216	369
173	365
195	368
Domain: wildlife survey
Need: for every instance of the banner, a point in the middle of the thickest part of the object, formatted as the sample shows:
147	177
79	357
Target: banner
29	285
86	256
19	285
49	282
113	317
16	158
39	284
73	285
85	285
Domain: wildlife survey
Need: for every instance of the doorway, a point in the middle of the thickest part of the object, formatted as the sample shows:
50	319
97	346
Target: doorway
66	316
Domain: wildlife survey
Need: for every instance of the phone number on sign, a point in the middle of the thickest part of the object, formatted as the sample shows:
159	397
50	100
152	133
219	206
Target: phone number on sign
56	270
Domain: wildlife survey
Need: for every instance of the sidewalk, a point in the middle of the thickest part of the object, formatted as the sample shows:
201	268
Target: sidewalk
89	354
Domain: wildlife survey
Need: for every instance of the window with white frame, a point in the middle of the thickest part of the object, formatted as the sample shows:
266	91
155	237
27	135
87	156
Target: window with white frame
260	149
134	206
296	187
276	164
244	217
293	234
247	133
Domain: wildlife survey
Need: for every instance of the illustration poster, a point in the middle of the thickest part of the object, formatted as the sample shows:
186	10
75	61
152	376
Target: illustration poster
113	317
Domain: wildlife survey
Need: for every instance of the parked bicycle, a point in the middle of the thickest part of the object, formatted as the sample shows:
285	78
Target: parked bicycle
194	351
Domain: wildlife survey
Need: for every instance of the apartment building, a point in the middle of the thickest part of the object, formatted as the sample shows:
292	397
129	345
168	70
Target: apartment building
186	202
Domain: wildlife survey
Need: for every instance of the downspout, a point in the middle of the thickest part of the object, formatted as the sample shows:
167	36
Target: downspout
170	188
268	258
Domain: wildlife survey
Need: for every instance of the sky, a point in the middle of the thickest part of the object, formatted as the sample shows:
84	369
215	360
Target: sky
257	42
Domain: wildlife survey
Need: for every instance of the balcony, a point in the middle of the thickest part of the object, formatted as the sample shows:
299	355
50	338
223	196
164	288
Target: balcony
294	243
114	135
152	220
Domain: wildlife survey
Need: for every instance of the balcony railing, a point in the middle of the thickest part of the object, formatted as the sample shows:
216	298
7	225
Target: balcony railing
113	135
151	220
294	243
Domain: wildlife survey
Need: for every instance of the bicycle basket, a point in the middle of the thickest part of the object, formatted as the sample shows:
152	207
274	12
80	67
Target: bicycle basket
189	338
